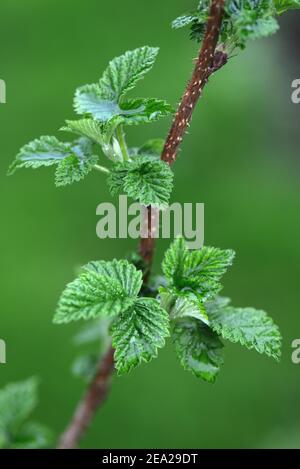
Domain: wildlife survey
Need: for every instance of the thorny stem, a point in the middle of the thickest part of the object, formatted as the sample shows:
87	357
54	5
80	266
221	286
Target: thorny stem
208	62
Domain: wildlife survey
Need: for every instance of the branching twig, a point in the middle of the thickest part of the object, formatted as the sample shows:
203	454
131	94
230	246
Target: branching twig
208	62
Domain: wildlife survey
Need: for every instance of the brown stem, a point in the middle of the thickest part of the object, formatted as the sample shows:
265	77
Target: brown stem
205	66
94	398
208	62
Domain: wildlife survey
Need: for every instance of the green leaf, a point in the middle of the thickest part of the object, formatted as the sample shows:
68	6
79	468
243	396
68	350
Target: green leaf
74	161
196	20
144	111
284	5
174	260
144	179
198	348
98	132
198	271
123	271
189	305
249	19
76	167
125	71
17	402
184	20
103	289
251	327
45	151
104	100
138	333
89	100
90	296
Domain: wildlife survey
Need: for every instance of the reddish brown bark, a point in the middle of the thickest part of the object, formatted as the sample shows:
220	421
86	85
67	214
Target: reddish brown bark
94	398
208	62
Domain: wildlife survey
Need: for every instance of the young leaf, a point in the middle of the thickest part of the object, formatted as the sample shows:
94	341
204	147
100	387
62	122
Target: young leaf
98	132
104	100
74	168
123	271
198	348
144	179
90	296
144	111
251	327
249	19
199	271
103	289
284	5
188	305
243	20
174	261
184	20
74	161
89	100
138	333
45	151
125	71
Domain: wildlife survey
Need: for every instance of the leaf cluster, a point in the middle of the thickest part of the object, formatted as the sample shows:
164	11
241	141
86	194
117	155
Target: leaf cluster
243	20
104	110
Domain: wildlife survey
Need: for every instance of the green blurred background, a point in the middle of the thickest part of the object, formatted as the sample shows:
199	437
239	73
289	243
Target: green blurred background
241	159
